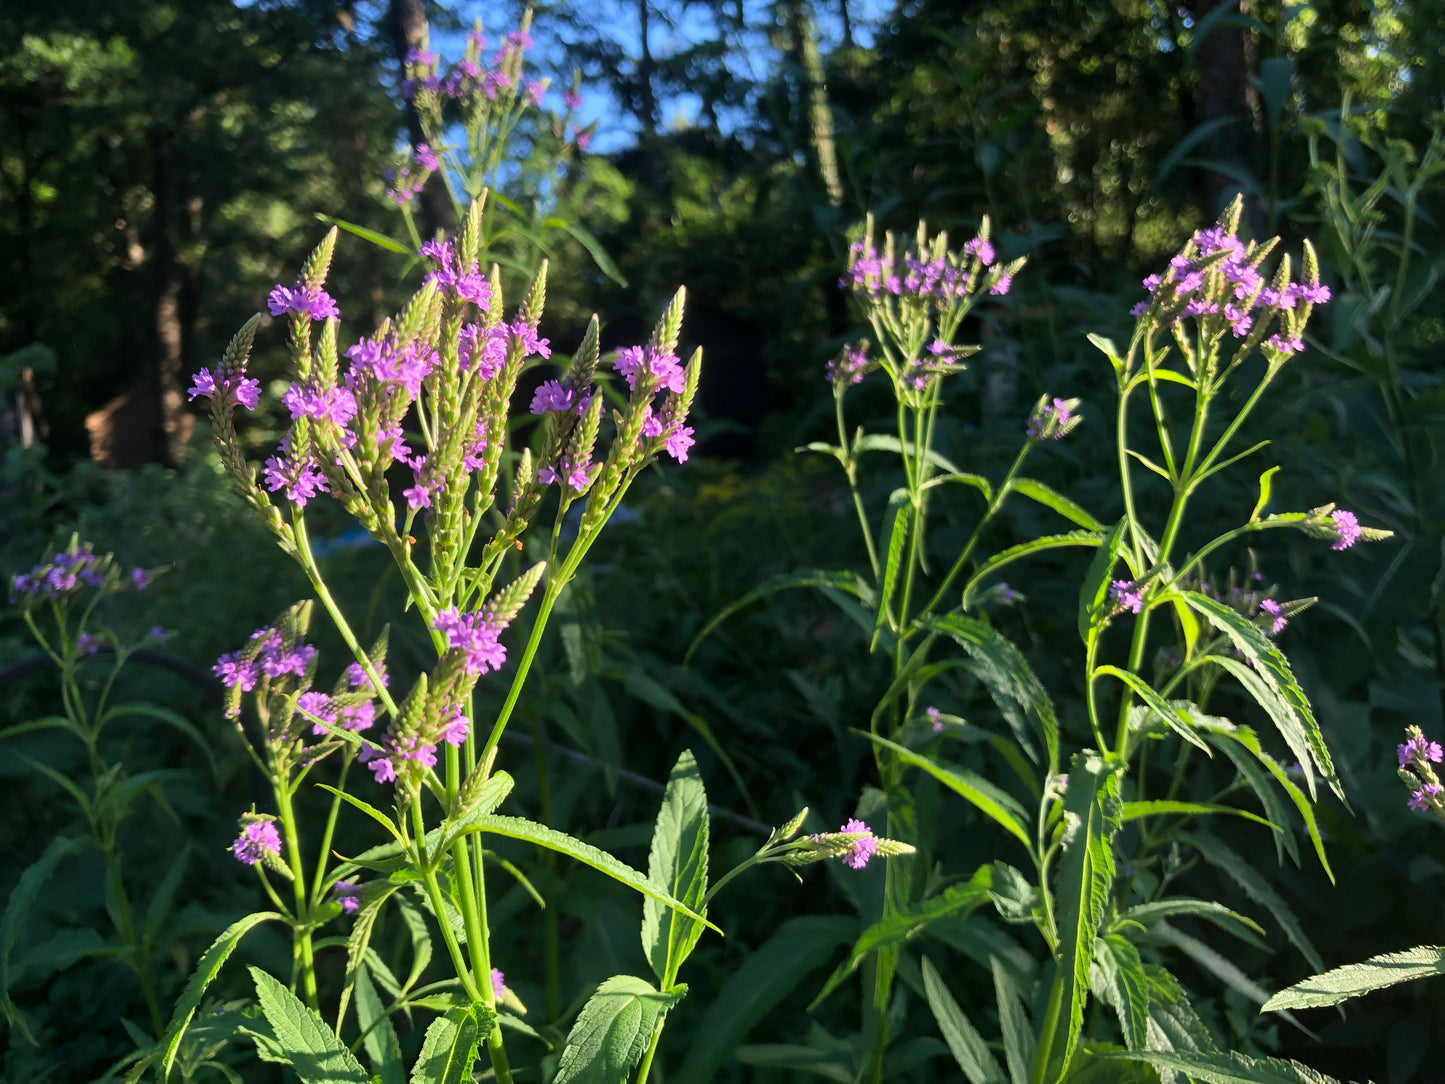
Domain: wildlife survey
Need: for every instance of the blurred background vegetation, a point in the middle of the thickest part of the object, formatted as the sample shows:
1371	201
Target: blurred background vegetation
162	165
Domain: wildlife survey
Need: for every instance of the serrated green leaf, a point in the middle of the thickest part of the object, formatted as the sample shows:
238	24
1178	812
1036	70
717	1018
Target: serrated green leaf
987	797
678	860
1282	698
1010	681
1209	910
207	967
613	1031
1019	1043
1086	874
1178	722
17	910
1256	887
358	941
553	840
897	537
761	981
452	1044
378	1036
1135	810
964	1041
1352	980
1094	595
1024	549
1227	1068
1127	989
1049	498
489	796
898	926
312	1049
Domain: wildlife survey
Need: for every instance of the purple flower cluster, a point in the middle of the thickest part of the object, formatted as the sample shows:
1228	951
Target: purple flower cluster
1274	611
1217	277
466	283
1347	527
267	655
919	276
863	849
1126	596
1426	796
474	636
257	839
405	182
653	368
472	76
677	438
1418	749
348	894
498	983
576	476
850	367
304	300
229	391
1052	419
72	571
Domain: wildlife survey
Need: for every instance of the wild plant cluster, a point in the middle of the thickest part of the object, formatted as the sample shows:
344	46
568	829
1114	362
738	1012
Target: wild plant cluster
489	500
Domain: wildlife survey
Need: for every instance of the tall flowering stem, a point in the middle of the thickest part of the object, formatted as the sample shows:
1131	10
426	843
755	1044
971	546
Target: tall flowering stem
449	364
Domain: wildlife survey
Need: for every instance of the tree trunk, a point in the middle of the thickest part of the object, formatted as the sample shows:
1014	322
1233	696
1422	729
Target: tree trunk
813	103
166	295
408	25
647	104
1223	64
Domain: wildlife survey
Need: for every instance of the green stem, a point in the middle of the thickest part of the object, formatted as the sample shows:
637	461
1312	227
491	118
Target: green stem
994	504
302	955
438	902
328	833
850	466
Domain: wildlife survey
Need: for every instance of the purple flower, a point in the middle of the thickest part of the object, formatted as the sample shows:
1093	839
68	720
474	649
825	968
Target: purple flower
1347	527
456	726
1286	345
851	367
1126	596
935	717
656	370
578	476
159	634
1002	286
303	300
301	480
242	390
1419	748
316	705
497	983
330	404
140	579
348	894
425	157
571	99
862	849
553	397
1425	796
475	636
357	677
1271	607
256	840
234	670
466	283
378	763
980	248
86	644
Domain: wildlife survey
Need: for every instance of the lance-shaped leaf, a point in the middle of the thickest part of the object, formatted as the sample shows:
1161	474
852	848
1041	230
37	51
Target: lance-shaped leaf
22	898
1257	888
1010	681
964	1041
1352	980
987	797
1271	682
553	840
1219	1067
1094	604
312	1049
1019	1042
897	539
1025	549
678	861
898	926
1178	721
1037	491
1126	988
451	1045
207	967
1086	874
613	1030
